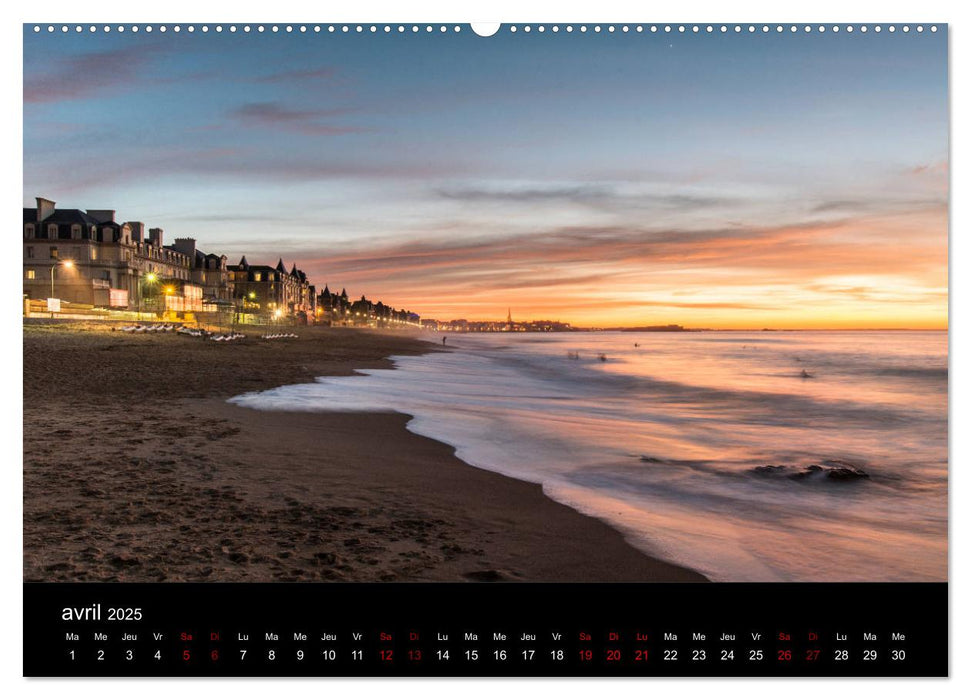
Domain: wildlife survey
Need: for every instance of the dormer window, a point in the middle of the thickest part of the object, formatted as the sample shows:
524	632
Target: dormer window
75	231
52	230
29	231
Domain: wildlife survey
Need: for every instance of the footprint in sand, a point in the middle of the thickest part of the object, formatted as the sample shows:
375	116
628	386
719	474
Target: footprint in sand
486	576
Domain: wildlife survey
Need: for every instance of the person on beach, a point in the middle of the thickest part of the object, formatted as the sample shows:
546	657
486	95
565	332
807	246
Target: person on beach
444	338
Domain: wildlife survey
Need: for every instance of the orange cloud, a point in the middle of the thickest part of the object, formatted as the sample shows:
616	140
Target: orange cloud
877	271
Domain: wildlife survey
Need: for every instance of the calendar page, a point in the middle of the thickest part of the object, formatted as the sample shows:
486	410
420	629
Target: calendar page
485	350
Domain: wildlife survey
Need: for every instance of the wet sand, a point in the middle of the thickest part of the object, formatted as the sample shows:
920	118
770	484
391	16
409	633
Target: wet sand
136	469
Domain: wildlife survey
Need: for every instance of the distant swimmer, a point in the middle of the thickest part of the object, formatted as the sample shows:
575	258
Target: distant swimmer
805	375
637	345
444	338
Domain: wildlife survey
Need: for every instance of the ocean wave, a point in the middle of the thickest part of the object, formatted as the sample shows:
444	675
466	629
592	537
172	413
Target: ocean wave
698	450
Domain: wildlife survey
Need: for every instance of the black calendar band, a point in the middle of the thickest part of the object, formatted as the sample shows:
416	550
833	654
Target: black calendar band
336	630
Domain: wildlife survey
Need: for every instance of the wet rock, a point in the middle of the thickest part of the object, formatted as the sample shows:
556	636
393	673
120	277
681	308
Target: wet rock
839	471
846	474
770	469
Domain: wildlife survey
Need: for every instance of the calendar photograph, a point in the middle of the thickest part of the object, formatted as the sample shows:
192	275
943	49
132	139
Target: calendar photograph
579	304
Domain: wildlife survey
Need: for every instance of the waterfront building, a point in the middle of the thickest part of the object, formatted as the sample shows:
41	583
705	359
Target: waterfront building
209	271
89	258
273	290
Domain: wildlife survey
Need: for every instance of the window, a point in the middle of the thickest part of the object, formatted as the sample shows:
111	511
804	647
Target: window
94	253
52	231
30	251
75	231
31	274
29	231
53	252
257	276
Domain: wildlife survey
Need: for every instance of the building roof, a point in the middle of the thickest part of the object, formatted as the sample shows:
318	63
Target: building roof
60	216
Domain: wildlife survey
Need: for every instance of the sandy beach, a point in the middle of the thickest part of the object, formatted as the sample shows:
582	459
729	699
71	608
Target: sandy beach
137	469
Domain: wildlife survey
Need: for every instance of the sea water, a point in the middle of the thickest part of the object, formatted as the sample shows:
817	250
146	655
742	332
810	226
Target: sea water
721	451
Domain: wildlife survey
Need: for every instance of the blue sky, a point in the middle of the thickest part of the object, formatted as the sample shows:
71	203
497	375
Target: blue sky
457	174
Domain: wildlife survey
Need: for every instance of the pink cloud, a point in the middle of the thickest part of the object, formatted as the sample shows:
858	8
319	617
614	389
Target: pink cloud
89	74
308	121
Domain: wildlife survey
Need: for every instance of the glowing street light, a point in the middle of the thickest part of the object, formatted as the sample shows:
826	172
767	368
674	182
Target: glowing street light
150	278
68	264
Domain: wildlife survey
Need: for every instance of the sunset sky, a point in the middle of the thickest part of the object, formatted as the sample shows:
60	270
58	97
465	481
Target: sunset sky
732	181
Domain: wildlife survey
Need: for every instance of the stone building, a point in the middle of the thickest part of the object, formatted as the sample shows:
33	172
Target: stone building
209	271
89	258
273	290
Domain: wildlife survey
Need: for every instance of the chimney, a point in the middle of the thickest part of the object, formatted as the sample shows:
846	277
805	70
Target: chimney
102	216
45	207
137	231
155	237
187	246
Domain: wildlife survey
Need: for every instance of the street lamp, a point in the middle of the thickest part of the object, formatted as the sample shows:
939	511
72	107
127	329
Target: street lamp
151	278
68	264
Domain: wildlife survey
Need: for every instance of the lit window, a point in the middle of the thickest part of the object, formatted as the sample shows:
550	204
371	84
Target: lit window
30	274
54	252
